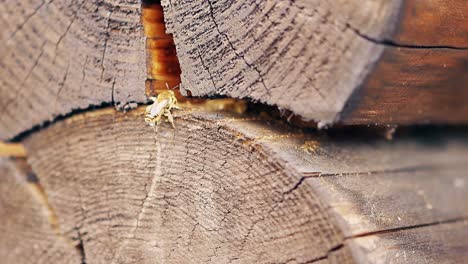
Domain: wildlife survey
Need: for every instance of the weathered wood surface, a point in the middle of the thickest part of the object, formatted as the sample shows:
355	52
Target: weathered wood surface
28	234
438	243
226	188
353	62
57	56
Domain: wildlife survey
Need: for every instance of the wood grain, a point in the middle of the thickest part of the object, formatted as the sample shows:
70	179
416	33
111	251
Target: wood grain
433	23
59	56
325	61
143	194
413	86
27	234
224	187
438	243
266	50
371	62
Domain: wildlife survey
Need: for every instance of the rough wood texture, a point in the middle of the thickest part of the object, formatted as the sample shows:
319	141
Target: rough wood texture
354	62
61	55
27	235
224	188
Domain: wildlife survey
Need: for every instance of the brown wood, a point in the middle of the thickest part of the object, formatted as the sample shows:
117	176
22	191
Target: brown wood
433	23
413	86
351	62
163	70
226	187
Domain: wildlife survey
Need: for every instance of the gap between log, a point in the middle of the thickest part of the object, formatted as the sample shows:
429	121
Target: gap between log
394	44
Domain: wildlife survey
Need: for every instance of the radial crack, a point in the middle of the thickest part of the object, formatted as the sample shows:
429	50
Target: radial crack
231	45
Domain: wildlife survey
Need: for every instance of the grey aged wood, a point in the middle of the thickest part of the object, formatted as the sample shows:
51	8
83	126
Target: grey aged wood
351	62
438	243
28	231
228	188
62	55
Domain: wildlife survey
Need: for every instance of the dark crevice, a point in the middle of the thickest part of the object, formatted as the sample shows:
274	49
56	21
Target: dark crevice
366	173
254	107
21	136
385	231
391	43
403	228
413	169
80	247
112	93
326	256
32	178
301	180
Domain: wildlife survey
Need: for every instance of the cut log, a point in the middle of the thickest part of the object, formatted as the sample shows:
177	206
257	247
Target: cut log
28	231
352	62
58	56
243	189
227	188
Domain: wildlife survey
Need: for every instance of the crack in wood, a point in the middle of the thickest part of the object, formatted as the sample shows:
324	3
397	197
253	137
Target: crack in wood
112	92
327	255
26	20
80	247
106	40
384	231
238	55
39	194
22	84
92	107
62	36
413	169
61	86
392	43
403	228
207	69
